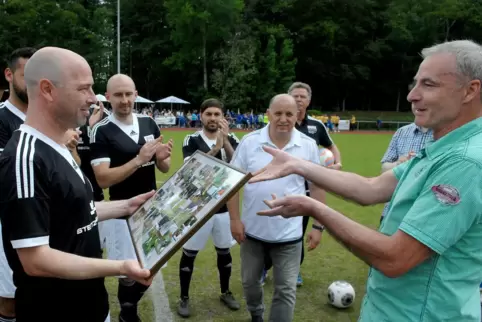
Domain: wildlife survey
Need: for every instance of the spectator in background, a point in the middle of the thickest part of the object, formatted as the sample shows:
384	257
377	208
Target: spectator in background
352	123
405	143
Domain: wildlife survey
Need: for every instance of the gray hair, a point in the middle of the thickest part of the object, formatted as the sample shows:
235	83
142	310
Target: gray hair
300	85
468	56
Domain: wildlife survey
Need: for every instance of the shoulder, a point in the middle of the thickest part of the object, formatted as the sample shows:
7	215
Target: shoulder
313	121
307	141
233	136
100	127
191	138
251	137
142	118
23	150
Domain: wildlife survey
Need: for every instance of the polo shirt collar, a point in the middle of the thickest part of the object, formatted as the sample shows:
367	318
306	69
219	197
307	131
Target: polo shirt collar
294	141
453	138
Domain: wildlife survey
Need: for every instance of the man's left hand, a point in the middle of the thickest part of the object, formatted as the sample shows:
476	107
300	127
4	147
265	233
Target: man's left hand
135	202
224	127
336	166
164	150
289	206
313	239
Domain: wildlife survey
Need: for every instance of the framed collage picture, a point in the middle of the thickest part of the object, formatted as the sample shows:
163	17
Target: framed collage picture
181	206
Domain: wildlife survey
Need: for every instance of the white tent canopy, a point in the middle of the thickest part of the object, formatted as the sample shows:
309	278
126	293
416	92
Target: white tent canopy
101	98
141	99
172	100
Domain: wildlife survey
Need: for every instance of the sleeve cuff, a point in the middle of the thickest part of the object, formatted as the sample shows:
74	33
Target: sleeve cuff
99	161
30	242
423	238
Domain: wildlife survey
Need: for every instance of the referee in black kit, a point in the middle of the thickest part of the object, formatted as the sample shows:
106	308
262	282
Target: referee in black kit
316	130
48	215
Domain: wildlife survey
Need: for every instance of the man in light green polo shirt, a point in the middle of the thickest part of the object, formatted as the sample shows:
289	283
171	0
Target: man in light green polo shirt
426	259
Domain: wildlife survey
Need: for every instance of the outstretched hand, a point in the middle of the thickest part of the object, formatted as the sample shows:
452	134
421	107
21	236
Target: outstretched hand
135	202
289	206
282	165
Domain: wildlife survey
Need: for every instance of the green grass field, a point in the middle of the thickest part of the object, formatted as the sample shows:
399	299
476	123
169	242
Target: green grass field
361	153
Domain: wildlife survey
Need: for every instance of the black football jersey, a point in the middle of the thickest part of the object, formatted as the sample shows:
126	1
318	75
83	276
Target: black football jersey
114	142
10	120
199	141
83	149
45	199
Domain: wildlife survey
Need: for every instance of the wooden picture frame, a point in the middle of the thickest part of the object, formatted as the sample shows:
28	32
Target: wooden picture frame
181	206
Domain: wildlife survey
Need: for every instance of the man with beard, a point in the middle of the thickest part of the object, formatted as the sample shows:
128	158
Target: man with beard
48	215
12	115
214	139
125	150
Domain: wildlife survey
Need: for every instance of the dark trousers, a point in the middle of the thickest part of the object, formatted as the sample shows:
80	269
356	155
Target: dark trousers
267	260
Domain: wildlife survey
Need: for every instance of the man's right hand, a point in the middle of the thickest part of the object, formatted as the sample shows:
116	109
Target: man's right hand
237	230
131	269
219	141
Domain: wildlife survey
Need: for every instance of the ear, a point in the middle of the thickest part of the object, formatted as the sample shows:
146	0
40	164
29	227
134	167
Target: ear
107	96
47	89
472	91
8	75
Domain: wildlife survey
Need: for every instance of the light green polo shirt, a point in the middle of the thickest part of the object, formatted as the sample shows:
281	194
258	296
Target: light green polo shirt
438	201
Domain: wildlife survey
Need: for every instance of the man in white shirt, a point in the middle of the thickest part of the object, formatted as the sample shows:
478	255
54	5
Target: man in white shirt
279	238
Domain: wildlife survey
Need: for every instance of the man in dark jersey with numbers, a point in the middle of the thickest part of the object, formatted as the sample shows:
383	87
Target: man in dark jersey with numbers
12	115
216	140
126	149
48	215
316	130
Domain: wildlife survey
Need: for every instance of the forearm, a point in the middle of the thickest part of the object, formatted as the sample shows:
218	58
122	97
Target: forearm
389	165
76	156
345	184
233	207
336	153
47	262
163	165
111	176
228	148
111	209
372	247
213	151
318	194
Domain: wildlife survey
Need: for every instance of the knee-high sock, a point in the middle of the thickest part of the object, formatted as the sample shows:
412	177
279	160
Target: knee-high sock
224	266
186	268
130	293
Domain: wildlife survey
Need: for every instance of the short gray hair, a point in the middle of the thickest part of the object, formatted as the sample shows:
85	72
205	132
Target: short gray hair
468	56
300	85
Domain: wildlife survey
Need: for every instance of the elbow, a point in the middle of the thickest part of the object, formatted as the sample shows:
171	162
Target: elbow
32	270
393	267
103	183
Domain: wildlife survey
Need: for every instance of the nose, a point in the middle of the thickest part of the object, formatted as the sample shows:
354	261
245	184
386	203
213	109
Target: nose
91	99
414	95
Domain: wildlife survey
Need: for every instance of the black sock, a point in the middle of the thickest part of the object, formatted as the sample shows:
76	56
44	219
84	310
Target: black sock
186	267
129	294
224	266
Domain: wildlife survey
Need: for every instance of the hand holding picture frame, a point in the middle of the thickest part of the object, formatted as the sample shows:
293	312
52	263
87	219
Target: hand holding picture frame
182	205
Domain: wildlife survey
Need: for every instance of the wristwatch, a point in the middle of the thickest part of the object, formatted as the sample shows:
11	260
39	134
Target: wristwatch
320	228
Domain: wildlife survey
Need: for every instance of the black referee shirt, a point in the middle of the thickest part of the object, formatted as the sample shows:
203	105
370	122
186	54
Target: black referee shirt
316	130
45	199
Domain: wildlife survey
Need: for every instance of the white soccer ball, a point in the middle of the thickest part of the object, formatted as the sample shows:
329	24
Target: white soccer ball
341	294
326	157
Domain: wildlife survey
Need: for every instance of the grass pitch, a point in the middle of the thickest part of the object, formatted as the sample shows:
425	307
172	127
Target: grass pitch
361	153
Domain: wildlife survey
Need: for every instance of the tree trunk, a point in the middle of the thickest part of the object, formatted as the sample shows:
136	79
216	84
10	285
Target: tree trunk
398	100
343	104
205	67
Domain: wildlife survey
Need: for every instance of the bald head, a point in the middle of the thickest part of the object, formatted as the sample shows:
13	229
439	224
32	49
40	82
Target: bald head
119	80
121	94
284	99
53	64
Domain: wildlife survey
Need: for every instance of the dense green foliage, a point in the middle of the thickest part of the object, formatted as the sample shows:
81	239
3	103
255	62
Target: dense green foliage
356	55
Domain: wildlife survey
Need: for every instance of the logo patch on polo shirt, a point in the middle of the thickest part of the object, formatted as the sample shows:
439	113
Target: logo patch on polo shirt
312	129
446	194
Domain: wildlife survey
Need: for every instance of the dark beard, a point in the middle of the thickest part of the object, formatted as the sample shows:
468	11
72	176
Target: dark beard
210	130
21	94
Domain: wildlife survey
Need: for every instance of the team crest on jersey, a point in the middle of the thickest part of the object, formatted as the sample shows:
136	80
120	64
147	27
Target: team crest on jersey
446	194
149	138
312	129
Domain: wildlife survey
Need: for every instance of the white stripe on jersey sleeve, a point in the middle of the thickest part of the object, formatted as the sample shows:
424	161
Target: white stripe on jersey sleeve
30	242
96	162
24	169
